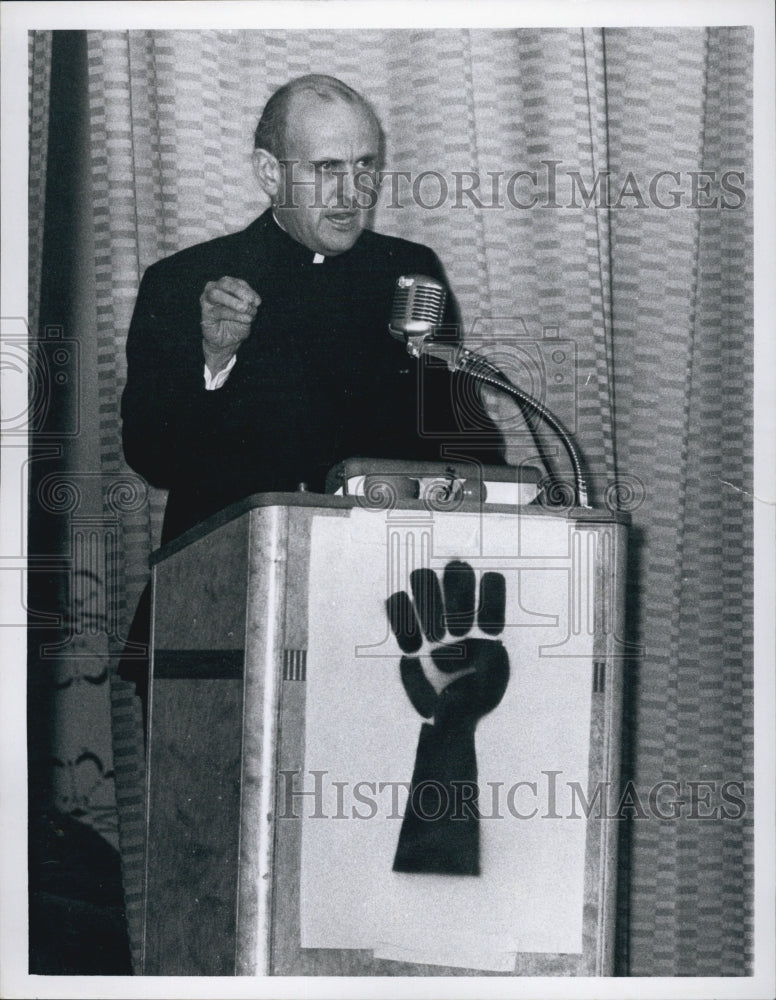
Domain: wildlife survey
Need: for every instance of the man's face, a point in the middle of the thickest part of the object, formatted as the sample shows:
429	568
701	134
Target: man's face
328	144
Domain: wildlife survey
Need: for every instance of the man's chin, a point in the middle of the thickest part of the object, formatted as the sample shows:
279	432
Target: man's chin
339	240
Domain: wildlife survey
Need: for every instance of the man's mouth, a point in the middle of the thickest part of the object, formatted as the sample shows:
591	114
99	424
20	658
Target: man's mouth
342	220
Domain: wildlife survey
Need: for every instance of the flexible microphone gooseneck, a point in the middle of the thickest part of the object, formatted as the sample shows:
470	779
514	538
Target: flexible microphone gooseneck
418	309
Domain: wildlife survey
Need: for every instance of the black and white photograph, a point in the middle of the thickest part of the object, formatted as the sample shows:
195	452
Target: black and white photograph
388	499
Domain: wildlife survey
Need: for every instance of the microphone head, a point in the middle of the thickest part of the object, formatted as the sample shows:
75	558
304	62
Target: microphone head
418	306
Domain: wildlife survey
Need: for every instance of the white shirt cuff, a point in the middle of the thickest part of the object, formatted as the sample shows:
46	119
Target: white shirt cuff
217	380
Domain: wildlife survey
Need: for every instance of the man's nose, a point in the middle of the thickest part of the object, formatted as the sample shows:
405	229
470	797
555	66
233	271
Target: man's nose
346	187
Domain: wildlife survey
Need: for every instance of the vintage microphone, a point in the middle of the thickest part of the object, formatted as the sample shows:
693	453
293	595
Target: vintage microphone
417	312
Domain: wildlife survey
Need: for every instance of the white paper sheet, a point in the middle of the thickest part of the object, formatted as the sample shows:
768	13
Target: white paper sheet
361	727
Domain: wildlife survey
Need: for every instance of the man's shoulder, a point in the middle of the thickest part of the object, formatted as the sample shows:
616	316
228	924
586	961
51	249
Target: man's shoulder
381	245
385	258
213	253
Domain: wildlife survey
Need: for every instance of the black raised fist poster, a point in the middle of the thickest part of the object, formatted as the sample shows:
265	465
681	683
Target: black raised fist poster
447	737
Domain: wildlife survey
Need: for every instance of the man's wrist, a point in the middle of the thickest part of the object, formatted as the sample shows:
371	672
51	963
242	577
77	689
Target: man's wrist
217	359
218	379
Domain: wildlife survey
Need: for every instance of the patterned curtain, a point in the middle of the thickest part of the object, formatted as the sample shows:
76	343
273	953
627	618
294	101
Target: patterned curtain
71	535
39	82
682	312
625	237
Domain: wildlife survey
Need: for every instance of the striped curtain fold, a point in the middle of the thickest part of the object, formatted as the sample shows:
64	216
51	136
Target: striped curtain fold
533	157
682	314
39	82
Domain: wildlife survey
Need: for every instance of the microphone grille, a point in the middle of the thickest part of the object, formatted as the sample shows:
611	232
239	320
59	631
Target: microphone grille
418	298
401	303
429	303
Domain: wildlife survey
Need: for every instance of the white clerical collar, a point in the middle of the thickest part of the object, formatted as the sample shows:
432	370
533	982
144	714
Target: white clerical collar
318	258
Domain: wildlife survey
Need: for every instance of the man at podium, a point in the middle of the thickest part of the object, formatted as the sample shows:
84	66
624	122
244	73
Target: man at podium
258	360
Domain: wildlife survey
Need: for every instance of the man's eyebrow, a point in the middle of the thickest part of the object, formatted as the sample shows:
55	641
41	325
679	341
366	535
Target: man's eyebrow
320	160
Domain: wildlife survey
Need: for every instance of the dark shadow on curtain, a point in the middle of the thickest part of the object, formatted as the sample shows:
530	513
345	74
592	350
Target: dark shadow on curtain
629	745
76	909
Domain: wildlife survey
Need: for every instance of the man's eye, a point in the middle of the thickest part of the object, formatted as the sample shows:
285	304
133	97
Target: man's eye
325	166
368	163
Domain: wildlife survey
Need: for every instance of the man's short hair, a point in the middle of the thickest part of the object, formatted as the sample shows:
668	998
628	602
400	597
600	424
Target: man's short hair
270	133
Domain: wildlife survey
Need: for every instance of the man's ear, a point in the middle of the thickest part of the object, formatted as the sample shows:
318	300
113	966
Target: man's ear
267	171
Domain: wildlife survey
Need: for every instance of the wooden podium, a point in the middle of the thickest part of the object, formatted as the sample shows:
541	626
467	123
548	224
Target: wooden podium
260	700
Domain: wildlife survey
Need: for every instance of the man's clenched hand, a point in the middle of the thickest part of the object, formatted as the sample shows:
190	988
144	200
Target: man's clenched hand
229	306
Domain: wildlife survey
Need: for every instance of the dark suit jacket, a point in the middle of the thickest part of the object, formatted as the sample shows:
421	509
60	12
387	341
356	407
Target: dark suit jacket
318	380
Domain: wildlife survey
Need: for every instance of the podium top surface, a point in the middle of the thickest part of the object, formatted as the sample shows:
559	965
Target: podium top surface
327	501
